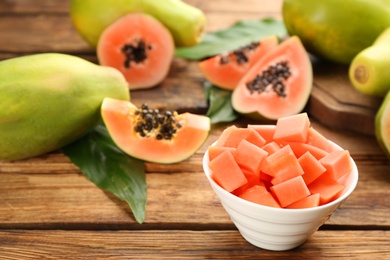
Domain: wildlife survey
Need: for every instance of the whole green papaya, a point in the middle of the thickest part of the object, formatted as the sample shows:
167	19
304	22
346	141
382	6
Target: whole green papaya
369	70
186	23
336	30
49	100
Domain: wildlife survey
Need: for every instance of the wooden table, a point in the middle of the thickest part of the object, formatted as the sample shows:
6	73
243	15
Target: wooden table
48	209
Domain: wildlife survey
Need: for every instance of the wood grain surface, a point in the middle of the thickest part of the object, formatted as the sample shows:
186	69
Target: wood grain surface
50	210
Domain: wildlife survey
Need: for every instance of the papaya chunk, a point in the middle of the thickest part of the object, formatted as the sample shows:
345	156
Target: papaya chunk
230	179
290	191
259	194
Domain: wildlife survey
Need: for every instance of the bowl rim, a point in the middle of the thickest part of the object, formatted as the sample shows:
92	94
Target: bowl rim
354	175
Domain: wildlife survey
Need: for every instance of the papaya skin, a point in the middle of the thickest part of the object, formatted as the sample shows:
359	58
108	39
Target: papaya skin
383	38
336	30
368	71
50	100
185	22
382	125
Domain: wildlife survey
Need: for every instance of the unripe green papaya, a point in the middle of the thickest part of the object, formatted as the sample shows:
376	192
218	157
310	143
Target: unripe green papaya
382	125
185	22
336	30
369	70
49	100
383	38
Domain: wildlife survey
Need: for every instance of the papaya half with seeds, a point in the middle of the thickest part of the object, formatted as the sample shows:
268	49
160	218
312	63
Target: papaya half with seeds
152	135
140	47
368	71
226	69
185	22
336	30
49	100
277	85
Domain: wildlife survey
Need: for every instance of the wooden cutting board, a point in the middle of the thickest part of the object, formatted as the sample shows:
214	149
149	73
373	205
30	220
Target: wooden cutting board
337	104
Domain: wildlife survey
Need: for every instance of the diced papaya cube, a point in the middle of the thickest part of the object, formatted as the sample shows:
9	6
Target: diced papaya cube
255	138
271	147
316	139
300	148
214	151
266	169
337	163
249	156
265	177
225	135
328	188
252	178
310	201
275	160
312	168
292	169
266	131
266	180
260	195
234	135
290	191
226	172
292	128
284	165
249	175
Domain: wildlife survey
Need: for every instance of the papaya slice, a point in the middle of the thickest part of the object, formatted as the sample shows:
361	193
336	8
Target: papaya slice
151	135
140	47
226	69
278	85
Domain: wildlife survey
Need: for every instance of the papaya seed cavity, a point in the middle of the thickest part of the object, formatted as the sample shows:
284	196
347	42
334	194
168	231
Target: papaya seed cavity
240	55
361	74
153	123
274	76
135	51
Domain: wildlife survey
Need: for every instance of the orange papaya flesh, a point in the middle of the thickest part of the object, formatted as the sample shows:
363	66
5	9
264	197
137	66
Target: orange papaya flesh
226	69
140	47
259	194
151	135
278	85
310	201
296	173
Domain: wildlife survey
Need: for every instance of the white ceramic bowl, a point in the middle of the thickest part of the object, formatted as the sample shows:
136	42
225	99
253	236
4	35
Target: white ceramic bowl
274	228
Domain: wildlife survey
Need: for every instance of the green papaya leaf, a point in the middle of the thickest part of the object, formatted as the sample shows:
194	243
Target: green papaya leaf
220	107
103	163
239	34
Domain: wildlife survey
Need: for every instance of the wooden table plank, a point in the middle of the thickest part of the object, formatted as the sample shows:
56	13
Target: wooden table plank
68	199
50	210
52	244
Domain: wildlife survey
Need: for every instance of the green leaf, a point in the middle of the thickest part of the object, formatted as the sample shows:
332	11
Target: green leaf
220	106
238	35
110	169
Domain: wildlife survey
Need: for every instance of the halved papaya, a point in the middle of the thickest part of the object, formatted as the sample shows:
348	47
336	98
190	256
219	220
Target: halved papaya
139	46
151	135
226	69
278	85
